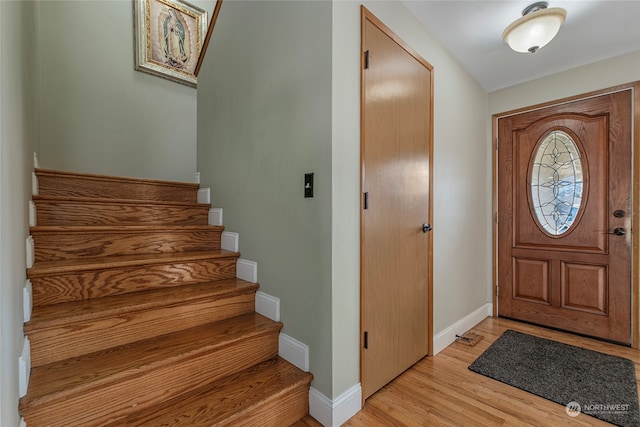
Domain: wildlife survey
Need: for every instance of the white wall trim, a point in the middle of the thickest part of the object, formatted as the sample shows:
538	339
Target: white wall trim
30	249
294	351
27	300
297	353
36	162
335	413
289	348
268	306
32	214
24	367
197	178
444	338
320	407
230	241
247	270
34	184
215	216
204	195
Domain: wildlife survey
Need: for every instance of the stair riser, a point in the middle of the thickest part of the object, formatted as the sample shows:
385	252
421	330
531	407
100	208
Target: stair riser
55	289
274	393
70	245
104	403
59	213
79	186
277	411
59	343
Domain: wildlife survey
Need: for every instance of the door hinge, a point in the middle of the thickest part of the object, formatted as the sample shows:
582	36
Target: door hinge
366	200
366	59
496	144
496	217
366	340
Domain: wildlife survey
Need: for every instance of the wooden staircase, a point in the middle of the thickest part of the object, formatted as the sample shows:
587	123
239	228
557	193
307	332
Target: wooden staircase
138	317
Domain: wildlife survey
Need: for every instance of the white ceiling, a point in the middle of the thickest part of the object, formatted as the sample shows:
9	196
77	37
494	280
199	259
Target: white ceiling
472	32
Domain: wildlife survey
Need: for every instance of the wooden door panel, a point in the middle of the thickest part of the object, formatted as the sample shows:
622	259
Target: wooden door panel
589	138
532	282
584	287
580	279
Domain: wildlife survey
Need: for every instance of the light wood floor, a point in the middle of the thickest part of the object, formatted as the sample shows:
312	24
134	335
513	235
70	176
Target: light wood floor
441	391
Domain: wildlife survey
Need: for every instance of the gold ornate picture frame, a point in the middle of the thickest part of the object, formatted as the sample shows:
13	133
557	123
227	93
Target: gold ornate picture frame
168	38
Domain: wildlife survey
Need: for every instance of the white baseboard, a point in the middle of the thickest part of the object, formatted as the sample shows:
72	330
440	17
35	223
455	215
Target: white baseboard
268	306
289	348
327	412
443	339
24	367
335	413
34	184
197	178
23	423
215	216
30	248
36	162
27	300
230	241
33	218
320	407
294	352
204	195
247	270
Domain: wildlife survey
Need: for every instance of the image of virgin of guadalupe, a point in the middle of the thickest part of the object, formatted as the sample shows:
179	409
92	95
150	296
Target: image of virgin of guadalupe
175	41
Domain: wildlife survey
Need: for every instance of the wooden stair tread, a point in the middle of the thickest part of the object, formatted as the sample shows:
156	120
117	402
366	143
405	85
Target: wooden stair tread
76	311
74	184
119	229
66	210
226	399
91	371
42	268
113	201
120	179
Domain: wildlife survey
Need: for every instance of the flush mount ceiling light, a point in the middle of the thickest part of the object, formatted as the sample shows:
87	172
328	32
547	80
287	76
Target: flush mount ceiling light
537	27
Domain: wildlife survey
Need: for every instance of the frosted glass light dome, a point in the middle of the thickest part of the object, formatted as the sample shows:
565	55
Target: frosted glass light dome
535	29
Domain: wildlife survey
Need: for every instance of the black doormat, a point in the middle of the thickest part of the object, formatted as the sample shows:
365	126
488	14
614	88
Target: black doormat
582	380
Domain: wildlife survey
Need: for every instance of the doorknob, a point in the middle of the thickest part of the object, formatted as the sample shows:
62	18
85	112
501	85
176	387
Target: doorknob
619	231
426	228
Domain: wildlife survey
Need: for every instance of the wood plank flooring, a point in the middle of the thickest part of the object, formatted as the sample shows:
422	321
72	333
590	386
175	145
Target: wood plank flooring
441	391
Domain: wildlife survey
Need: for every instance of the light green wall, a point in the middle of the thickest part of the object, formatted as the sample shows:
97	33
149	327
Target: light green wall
462	207
273	86
17	143
599	75
98	114
345	197
264	119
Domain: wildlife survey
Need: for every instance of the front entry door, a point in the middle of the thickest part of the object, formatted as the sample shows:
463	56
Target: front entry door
564	216
395	254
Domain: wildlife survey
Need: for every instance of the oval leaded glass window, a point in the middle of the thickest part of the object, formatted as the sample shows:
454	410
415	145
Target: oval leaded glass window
557	183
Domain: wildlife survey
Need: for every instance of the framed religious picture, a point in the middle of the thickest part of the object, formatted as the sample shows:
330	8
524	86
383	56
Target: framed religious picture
168	38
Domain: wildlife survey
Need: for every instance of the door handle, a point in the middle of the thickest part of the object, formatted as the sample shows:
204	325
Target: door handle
619	231
426	228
